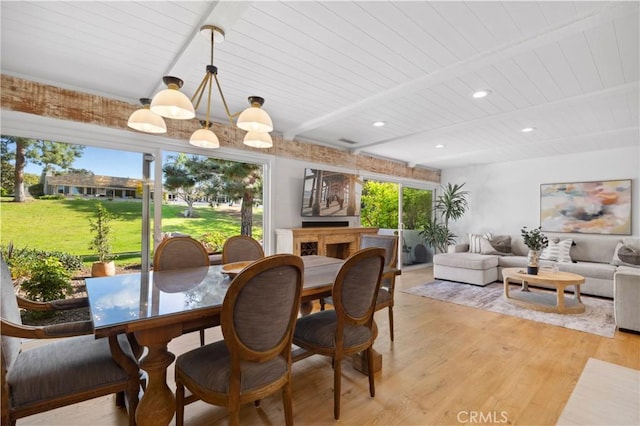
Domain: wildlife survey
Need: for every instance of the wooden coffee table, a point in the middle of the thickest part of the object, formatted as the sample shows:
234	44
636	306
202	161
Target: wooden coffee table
544	301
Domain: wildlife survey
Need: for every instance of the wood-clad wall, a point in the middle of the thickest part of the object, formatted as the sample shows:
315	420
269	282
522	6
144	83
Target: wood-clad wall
63	104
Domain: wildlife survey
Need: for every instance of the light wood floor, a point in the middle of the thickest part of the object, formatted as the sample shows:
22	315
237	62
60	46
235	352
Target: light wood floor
449	365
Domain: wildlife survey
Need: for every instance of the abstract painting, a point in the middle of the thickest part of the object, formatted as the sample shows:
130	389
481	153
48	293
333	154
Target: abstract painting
600	207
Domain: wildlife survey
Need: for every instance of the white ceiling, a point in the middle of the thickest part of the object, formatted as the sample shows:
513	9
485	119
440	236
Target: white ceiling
328	69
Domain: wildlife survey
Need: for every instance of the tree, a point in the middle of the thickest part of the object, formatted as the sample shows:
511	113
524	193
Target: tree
7	170
44	153
48	154
416	207
379	205
184	176
195	178
244	181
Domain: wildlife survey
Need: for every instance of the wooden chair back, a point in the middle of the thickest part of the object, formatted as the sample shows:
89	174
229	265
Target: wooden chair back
356	288
260	309
180	253
240	248
387	242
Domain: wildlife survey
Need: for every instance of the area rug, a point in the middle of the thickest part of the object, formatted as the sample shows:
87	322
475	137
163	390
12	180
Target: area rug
597	318
606	394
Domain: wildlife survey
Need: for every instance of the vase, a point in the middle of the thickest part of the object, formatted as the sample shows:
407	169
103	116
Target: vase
532	262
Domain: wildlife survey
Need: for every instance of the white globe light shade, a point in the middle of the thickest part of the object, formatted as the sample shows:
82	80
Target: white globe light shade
255	119
146	121
204	138
172	103
258	140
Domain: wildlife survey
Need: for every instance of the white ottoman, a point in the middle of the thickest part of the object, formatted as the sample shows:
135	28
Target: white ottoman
470	268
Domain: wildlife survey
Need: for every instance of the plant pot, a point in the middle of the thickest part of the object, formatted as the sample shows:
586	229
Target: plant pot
532	262
103	269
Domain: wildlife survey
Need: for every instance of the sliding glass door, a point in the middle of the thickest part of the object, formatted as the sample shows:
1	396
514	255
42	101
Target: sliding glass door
416	206
385	203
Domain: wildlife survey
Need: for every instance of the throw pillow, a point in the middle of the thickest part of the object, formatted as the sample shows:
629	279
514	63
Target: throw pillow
501	243
627	255
551	251
632	242
474	242
558	251
564	249
616	259
486	247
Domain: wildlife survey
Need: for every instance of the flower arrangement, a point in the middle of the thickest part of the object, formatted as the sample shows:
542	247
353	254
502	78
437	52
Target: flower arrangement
534	239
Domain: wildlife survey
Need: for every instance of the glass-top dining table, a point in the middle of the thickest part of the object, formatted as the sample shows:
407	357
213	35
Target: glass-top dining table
160	306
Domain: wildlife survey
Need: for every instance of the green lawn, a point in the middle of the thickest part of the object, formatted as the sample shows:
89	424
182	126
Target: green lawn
63	225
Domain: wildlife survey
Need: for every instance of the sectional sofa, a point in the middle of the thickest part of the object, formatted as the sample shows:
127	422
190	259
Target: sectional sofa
591	256
609	264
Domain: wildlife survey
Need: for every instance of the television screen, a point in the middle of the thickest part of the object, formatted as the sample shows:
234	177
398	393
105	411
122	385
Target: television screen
328	193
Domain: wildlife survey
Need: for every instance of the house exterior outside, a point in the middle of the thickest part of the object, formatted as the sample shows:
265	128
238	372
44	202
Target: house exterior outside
77	184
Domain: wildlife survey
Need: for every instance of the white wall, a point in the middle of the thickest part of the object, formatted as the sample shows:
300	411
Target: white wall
504	197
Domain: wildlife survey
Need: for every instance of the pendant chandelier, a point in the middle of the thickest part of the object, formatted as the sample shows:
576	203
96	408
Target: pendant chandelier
172	103
145	120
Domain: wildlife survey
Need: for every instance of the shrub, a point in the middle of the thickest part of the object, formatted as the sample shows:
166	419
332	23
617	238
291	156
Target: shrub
22	260
213	241
52	197
49	280
36	190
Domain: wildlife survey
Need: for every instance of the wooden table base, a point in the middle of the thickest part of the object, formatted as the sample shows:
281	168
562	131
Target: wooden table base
360	362
158	404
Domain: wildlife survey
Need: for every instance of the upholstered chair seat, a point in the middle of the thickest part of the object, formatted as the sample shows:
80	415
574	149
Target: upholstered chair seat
214	376
72	369
54	370
320	328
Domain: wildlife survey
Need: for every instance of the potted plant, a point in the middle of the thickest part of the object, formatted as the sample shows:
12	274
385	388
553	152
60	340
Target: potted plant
101	228
536	241
450	205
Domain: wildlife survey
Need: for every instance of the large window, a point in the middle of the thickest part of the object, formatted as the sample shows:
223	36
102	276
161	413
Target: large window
206	197
211	199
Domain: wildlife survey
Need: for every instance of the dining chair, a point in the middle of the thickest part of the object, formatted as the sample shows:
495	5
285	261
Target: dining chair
240	248
74	368
178	253
254	358
388	281
349	328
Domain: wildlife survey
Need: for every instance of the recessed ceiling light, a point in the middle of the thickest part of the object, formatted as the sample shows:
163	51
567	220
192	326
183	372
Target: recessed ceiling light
439	146
481	93
528	129
379	123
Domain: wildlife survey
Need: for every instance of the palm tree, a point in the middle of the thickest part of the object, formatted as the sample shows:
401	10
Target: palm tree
450	205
